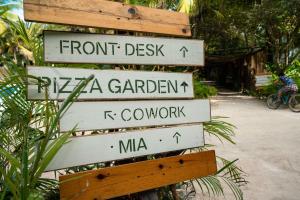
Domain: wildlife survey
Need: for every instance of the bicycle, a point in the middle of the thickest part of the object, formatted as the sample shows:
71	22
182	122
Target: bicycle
290	99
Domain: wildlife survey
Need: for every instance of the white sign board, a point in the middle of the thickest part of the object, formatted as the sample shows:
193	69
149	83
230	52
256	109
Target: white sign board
124	114
262	80
84	150
64	47
110	84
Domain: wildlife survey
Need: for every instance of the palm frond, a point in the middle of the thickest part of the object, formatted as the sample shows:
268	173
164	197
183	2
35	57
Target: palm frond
220	129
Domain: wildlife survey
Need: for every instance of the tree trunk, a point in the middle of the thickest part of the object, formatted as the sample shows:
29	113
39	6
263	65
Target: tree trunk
149	195
174	193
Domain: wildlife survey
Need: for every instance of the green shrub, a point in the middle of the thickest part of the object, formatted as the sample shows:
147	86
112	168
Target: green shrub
294	72
203	91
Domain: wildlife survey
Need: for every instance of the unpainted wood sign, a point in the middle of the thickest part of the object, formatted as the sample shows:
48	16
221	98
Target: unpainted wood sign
108	14
126	179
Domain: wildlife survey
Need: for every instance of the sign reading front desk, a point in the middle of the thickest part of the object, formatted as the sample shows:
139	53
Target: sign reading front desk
64	47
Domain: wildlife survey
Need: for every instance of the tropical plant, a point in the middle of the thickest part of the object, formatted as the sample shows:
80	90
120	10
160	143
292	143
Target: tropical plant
203	91
29	137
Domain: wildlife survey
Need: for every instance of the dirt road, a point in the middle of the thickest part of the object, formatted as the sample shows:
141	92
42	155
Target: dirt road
268	146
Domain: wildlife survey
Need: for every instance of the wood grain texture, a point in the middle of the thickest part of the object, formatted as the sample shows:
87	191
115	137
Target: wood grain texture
136	177
107	14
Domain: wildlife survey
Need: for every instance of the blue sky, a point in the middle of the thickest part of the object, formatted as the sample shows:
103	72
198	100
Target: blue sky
18	11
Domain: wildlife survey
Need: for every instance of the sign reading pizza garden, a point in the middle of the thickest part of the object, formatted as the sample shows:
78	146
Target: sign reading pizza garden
109	84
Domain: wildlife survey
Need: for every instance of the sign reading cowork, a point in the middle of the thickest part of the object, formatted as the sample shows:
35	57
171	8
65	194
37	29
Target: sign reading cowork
115	49
109	84
124	114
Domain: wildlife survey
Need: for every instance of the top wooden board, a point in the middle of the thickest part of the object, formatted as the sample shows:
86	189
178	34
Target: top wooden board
107	14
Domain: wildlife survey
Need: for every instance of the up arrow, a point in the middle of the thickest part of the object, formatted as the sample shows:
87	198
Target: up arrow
184	85
184	50
176	135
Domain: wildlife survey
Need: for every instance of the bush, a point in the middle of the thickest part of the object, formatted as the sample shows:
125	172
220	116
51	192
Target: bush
292	71
203	91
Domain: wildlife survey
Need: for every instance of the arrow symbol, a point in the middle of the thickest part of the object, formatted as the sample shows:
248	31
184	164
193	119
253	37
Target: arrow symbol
184	85
184	50
177	135
107	114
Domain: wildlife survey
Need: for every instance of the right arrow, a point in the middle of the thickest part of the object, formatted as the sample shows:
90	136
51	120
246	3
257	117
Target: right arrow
184	85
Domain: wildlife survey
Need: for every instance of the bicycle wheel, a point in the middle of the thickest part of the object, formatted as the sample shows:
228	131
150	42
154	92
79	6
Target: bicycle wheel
272	101
294	103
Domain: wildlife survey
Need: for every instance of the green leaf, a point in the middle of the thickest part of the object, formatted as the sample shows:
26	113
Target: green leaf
12	160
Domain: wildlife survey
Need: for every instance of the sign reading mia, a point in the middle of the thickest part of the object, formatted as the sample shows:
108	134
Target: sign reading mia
109	84
115	49
101	148
125	114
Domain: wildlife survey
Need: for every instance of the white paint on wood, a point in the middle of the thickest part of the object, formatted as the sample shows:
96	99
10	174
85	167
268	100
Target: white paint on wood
124	114
115	49
84	150
110	84
262	80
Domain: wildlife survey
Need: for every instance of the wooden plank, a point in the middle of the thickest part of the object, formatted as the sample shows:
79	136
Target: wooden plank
136	177
84	150
110	84
124	114
107	14
66	47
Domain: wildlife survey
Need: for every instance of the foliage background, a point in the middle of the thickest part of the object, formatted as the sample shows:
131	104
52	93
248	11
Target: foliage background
228	27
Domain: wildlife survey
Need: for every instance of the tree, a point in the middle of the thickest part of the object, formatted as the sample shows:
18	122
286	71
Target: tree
278	29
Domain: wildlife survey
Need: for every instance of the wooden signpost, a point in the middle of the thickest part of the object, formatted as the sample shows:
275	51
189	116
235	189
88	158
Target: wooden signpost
178	123
126	179
64	47
125	114
115	146
107	14
110	84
